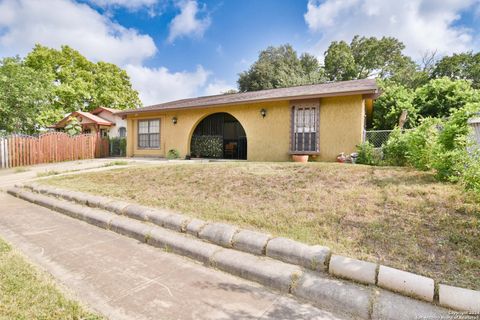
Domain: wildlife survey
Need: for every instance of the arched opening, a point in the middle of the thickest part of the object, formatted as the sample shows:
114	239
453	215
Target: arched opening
219	136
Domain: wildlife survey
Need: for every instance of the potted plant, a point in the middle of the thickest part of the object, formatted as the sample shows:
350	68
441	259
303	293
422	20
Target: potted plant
300	157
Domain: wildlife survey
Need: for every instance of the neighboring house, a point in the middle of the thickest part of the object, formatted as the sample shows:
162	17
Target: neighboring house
320	120
101	120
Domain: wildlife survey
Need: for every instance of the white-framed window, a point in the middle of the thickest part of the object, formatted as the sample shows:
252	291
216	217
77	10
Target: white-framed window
149	134
305	127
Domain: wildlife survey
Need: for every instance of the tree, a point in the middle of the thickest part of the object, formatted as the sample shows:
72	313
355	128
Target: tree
369	57
278	67
389	106
25	96
81	84
440	97
460	66
339	62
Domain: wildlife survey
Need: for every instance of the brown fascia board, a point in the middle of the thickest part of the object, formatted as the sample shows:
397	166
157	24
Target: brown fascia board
364	93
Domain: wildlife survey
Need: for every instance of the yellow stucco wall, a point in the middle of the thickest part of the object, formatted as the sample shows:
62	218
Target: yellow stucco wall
342	121
268	139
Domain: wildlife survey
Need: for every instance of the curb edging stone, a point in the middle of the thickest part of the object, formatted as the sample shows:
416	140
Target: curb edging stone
317	258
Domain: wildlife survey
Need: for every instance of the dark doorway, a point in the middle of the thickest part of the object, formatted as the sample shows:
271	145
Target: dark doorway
220	136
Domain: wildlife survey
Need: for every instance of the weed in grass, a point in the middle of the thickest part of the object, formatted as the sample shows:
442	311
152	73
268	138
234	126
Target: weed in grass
47	173
116	163
21	169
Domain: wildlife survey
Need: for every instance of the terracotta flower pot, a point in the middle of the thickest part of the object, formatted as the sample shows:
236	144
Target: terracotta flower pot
300	157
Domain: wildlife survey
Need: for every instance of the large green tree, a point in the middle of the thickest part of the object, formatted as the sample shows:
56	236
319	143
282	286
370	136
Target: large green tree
81	84
340	62
460	66
279	67
395	99
39	90
25	96
440	97
369	57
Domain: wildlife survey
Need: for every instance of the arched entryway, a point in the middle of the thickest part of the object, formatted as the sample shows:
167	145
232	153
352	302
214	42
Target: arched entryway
219	136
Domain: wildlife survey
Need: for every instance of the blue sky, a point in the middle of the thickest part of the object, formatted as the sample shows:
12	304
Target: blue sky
174	49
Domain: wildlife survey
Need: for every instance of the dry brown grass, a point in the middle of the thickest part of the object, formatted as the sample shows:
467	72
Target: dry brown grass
396	216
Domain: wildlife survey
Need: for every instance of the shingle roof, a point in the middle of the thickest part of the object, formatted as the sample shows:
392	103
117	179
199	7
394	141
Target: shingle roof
94	118
88	115
99	109
363	86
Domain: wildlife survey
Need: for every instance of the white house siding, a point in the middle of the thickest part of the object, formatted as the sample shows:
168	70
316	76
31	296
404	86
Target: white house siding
119	122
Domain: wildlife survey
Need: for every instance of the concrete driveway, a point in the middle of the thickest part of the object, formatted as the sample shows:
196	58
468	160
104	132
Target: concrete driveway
124	279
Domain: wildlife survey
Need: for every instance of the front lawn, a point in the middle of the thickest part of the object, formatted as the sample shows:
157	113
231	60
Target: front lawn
399	217
26	293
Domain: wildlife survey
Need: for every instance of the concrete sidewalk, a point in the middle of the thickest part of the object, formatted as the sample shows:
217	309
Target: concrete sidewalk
124	279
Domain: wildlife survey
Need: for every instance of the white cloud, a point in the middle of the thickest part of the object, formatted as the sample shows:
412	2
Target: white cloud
62	22
53	23
158	85
188	23
422	25
217	87
129	4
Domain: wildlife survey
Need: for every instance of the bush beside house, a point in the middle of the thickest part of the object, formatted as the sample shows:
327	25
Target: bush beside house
442	145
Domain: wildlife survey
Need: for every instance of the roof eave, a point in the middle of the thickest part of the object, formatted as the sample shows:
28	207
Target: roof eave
372	93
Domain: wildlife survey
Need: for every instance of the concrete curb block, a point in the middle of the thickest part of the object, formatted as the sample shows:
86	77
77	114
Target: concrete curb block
192	248
353	269
225	235
136	212
406	283
251	241
287	250
330	293
320	289
195	226
130	228
269	272
389	305
218	233
459	298
114	206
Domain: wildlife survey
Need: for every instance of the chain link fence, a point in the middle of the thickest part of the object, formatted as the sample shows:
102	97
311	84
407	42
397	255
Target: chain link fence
377	137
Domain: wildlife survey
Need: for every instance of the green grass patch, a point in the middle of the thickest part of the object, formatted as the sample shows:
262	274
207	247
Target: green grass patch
21	169
399	217
27	293
48	173
116	163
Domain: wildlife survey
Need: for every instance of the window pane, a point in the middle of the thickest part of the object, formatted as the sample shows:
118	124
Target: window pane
142	127
154	126
143	140
154	140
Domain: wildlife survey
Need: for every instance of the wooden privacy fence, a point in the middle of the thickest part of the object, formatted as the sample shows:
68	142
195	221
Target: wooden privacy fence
22	150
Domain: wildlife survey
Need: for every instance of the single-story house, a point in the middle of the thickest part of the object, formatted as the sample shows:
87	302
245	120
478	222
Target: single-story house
105	121
319	120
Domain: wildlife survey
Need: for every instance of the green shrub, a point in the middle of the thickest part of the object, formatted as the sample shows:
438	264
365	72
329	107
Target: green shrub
420	144
452	161
413	147
367	154
395	149
118	146
471	173
73	127
207	146
173	154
